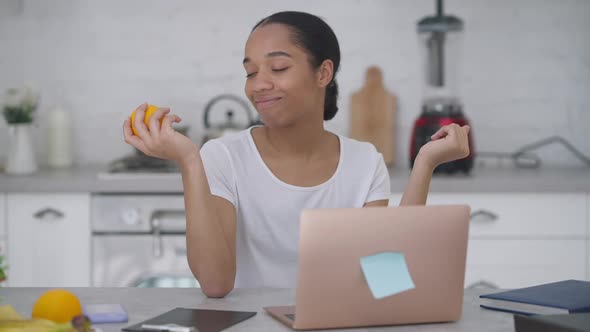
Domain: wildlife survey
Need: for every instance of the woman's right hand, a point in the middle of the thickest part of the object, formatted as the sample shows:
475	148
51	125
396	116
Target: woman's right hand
160	141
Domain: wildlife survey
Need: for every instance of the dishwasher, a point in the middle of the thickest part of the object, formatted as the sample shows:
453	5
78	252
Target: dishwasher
139	240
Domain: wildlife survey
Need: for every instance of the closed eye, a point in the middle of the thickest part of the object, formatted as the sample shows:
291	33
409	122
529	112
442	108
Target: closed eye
278	70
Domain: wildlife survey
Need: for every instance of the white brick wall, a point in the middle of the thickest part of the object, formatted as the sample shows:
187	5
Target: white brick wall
526	69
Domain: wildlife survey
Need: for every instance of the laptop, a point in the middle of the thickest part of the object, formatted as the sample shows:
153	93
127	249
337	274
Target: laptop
332	291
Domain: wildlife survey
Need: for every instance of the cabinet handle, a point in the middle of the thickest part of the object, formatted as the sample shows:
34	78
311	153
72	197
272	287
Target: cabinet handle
157	246
160	214
482	284
489	216
52	213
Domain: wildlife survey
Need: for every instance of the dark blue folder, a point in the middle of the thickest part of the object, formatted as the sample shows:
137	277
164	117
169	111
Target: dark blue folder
569	295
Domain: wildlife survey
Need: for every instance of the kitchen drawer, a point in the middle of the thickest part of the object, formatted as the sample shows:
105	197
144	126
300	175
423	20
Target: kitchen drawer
522	215
2	215
522	263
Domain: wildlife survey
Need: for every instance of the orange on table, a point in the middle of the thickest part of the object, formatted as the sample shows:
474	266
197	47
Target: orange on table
149	111
57	305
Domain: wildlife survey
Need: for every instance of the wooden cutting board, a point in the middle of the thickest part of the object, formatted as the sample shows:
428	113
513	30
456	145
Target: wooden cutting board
372	115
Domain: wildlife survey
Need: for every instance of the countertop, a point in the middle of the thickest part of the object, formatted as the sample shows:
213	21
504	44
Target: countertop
486	179
144	303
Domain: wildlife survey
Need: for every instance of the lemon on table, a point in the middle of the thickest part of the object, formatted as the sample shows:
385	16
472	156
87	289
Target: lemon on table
149	111
57	305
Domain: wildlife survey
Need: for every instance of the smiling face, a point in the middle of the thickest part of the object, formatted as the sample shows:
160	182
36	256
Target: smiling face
281	83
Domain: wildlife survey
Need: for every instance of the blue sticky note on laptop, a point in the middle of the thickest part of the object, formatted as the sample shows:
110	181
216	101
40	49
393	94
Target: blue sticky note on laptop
386	274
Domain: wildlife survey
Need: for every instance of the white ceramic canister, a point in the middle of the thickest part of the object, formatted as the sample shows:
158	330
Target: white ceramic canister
60	138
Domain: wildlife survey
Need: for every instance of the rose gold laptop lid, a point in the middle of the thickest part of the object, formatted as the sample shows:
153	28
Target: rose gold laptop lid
332	291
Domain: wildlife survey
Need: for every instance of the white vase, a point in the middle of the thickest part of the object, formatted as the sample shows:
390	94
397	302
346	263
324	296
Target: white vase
21	155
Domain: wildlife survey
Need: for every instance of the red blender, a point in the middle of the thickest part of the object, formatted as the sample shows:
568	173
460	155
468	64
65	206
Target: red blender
440	39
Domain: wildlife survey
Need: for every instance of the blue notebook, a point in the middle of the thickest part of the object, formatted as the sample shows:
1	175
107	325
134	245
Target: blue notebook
563	297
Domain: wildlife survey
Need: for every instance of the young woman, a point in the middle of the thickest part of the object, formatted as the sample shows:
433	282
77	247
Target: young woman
244	193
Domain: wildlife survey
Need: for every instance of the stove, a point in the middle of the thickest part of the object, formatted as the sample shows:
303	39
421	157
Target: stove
139	165
138	236
143	164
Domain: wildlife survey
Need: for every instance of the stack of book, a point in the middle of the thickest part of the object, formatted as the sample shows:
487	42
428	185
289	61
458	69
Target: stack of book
558	306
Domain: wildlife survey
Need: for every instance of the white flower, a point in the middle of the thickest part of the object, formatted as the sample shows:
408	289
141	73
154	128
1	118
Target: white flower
21	97
13	97
20	105
29	97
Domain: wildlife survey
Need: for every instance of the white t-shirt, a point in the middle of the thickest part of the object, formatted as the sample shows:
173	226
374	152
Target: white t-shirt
268	209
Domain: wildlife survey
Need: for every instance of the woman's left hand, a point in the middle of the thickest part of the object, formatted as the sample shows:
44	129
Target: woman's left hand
448	143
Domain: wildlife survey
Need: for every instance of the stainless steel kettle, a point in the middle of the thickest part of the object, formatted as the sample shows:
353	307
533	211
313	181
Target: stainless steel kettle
229	126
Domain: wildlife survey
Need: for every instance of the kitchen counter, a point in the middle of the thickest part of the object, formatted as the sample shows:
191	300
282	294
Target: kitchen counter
93	179
144	303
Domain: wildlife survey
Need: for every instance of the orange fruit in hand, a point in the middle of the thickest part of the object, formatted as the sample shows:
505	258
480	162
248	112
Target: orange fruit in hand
149	111
57	305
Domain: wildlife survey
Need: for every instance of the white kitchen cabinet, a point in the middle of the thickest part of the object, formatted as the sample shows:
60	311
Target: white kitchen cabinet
588	237
515	263
3	251
522	239
522	215
2	215
48	240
